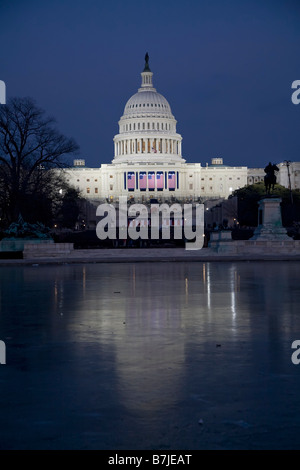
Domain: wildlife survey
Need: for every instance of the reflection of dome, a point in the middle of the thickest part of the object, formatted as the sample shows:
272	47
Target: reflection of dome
149	102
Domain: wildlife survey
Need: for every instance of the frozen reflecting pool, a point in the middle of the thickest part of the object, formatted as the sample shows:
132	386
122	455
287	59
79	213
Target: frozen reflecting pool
161	356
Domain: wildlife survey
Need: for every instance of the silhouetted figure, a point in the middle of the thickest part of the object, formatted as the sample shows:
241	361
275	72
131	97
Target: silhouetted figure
147	68
270	177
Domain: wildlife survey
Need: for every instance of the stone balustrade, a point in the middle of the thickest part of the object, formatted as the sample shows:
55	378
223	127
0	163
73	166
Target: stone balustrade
45	250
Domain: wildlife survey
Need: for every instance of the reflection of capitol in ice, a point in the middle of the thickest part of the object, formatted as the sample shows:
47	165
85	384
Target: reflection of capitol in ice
147	326
152	351
145	317
124	356
151	317
148	342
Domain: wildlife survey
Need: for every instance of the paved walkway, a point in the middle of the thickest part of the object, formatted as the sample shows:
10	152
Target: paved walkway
130	255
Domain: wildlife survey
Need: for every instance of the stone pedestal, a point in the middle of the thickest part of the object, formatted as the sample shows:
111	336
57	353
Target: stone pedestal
270	221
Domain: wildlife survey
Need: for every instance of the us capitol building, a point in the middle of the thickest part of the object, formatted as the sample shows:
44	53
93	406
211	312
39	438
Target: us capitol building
148	161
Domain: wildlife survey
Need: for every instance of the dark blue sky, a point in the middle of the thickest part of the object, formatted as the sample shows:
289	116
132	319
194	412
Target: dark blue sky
226	68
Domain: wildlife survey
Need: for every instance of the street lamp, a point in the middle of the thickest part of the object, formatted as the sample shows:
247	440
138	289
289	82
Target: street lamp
288	163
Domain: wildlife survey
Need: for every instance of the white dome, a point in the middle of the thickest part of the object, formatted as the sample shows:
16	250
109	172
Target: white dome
147	129
148	102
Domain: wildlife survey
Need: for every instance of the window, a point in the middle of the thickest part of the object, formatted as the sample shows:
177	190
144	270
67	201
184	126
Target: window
88	179
88	190
96	179
202	188
148	125
96	190
143	125
210	188
78	180
210	179
111	187
111	176
202	179
230	178
190	186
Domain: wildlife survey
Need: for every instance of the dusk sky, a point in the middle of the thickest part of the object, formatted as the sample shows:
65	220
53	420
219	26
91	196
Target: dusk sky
225	67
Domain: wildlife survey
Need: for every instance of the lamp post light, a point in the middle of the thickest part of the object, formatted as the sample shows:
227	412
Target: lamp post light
288	163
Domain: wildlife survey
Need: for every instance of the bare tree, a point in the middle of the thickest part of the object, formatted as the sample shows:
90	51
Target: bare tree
30	147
